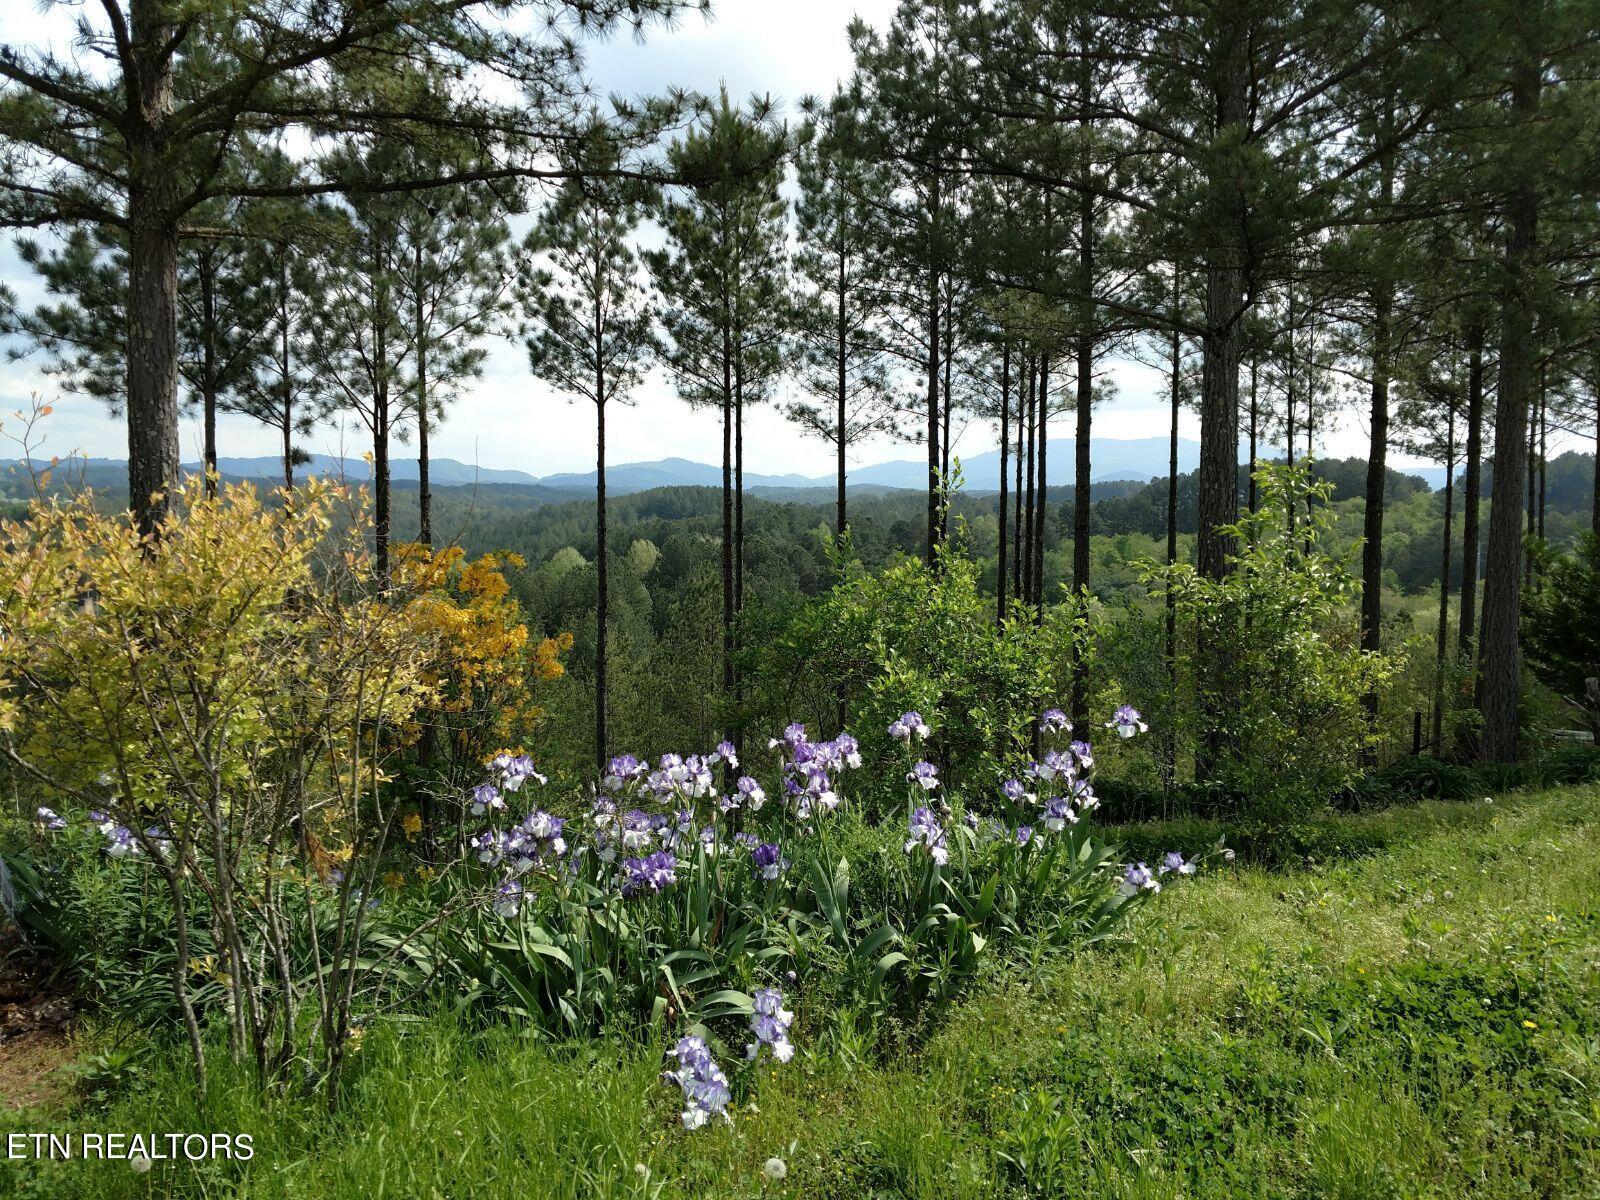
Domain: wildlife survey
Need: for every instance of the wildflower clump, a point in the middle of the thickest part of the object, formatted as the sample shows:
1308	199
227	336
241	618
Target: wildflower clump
705	1088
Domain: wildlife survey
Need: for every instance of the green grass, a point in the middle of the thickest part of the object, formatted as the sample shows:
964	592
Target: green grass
1422	1020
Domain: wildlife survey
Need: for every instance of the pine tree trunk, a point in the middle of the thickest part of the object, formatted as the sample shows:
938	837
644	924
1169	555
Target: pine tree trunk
738	534
1544	451
1442	639
420	334
1472	487
1254	431
1594	501
1027	507
287	411
1499	655
933	413
602	569
1219	418
1042	503
841	434
1023	383
727	509
208	371
944	415
1377	466
1170	741
1081	495
380	422
152	370
1005	448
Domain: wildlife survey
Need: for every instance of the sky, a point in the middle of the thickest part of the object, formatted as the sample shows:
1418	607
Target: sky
507	419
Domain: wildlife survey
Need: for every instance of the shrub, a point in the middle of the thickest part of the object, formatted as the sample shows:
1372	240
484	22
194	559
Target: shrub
1272	659
219	701
922	637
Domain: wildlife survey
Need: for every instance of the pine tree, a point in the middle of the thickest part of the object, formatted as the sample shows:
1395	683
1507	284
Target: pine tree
590	336
840	318
720	276
454	274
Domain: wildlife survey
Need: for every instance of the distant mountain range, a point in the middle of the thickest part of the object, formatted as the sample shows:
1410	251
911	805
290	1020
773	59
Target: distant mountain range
1140	459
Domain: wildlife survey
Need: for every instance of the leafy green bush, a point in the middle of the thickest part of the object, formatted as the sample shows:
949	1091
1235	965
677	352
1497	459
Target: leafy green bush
1271	658
923	637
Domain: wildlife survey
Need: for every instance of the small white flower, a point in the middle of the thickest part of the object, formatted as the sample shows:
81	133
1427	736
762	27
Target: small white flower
775	1169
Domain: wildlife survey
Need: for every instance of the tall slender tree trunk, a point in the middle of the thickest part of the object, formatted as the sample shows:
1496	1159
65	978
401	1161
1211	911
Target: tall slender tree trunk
1024	382
934	482
1255	425
208	369
946	406
1472	488
1377	468
1043	501
1499	653
1544	450
1219	416
1170	741
1005	449
602	568
727	507
1081	496
152	370
738	532
380	424
286	411
1028	505
841	432
1442	638
420	334
1218	491
1594	501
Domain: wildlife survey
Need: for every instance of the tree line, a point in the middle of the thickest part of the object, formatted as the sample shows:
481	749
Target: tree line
1289	208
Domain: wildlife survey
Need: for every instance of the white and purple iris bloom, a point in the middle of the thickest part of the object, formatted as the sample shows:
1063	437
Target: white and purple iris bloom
622	771
1058	814
121	843
927	835
1127	722
652	873
50	819
1055	764
1053	720
490	846
515	770
809	769
770	1024
705	1088
925	775
767	858
486	797
725	753
1173	863
793	735
536	842
508	898
908	725
1139	878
